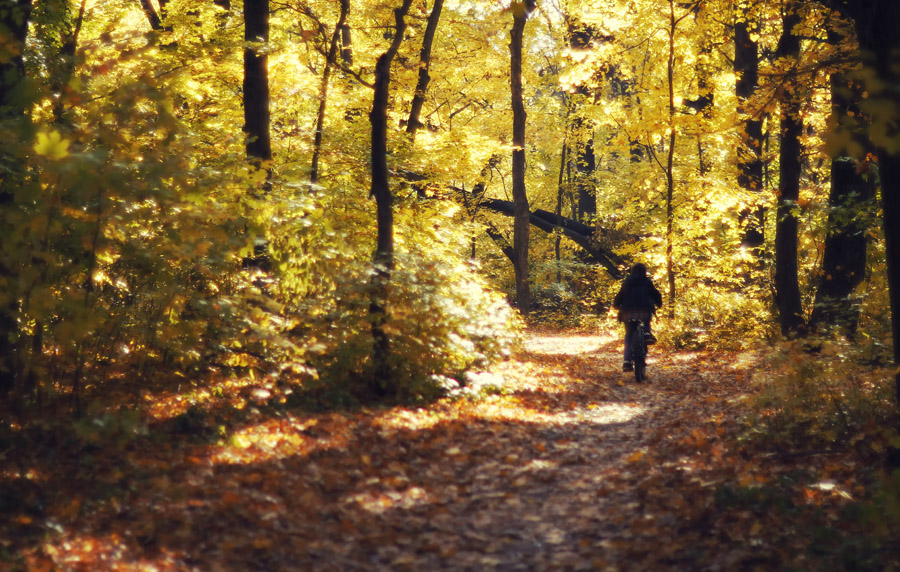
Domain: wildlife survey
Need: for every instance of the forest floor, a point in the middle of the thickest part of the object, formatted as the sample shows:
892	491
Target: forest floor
570	465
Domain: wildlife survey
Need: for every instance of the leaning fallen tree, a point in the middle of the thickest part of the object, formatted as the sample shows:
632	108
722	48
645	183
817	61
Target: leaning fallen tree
581	234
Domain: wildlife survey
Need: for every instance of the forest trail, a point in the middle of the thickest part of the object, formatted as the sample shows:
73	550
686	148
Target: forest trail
572	466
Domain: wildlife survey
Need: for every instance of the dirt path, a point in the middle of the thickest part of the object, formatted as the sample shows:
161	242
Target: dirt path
571	466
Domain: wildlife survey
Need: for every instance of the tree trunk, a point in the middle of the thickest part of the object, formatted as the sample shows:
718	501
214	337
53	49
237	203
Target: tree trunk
14	17
787	286
65	64
413	124
670	163
852	189
584	160
383	259
585	166
152	15
563	159
705	100
256	82
521	11
750	165
323	90
877	25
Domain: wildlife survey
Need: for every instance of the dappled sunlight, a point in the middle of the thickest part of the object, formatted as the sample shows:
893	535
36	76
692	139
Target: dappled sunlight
379	502
567	345
277	439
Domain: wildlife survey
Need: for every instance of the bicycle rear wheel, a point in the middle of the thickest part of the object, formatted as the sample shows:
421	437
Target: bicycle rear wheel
639	353
640	369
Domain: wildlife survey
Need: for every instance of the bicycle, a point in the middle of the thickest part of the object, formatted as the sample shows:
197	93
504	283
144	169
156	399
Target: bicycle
639	348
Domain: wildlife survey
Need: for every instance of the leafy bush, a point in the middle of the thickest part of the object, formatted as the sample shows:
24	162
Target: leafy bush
121	247
442	319
821	392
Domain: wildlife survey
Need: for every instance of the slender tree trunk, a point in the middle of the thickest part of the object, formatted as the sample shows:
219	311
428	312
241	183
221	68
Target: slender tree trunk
521	11
14	18
381	190
670	163
65	64
585	160
413	124
750	164
852	190
563	159
256	82
705	100
323	90
787	285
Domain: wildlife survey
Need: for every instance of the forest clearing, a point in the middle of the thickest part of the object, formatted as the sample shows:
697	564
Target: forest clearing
342	285
560	463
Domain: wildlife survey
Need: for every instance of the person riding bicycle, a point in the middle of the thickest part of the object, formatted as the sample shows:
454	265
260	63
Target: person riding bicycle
637	299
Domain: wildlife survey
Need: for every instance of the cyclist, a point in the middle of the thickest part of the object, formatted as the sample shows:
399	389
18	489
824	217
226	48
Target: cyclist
637	299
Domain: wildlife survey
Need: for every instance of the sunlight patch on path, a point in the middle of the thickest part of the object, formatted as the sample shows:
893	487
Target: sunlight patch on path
566	345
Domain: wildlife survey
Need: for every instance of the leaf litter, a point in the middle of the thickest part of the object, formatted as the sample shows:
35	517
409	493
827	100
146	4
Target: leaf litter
570	465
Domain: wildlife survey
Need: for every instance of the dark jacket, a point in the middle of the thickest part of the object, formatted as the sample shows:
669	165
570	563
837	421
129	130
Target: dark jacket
637	294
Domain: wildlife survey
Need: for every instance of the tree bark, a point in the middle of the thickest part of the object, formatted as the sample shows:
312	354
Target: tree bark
705	100
585	166
152	15
413	124
383	258
852	190
521	11
670	162
346	45
877	24
14	18
256	82
787	285
323	90
584	160
750	165
65	64
563	159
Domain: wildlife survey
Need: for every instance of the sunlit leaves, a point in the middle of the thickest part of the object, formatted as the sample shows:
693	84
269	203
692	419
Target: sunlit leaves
51	145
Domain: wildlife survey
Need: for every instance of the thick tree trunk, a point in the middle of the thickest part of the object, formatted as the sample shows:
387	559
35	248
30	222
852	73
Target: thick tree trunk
750	165
152	15
384	250
256	82
521	11
413	124
787	286
852	189
346	45
877	25
585	166
330	61
14	18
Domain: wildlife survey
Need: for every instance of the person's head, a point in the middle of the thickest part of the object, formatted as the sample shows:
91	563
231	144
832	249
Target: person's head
639	270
